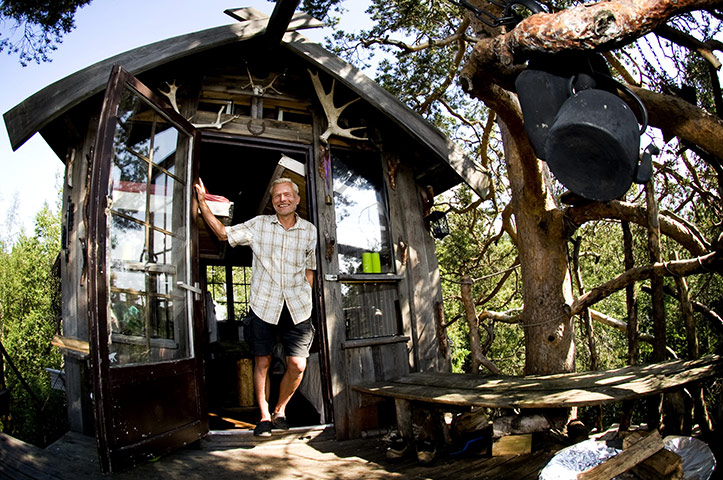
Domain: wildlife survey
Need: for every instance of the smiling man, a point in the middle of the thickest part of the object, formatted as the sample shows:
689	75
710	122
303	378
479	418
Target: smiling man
283	264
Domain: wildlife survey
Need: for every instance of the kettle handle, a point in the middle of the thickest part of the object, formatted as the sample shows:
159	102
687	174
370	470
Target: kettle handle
644	170
623	87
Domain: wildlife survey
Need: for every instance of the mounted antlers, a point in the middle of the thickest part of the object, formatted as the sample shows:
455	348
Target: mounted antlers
259	90
332	112
171	95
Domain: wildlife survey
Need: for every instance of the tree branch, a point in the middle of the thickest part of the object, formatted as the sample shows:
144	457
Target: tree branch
690	42
590	26
706	263
636	214
678	118
617	324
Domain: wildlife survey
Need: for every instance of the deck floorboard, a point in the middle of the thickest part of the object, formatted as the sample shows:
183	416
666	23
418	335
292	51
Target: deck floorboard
313	455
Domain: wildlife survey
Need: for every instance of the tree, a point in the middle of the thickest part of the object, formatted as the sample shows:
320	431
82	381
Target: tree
658	49
37	27
29	315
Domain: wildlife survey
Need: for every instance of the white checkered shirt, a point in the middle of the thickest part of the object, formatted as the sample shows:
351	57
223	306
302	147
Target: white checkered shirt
280	260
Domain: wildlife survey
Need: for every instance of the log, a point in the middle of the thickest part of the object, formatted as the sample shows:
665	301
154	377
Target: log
469	422
664	465
512	445
626	459
519	424
245	367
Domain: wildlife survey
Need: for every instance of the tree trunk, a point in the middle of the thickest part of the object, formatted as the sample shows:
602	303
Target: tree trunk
547	289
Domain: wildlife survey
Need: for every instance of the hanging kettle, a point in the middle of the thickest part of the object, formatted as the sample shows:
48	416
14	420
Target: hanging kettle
544	86
593	145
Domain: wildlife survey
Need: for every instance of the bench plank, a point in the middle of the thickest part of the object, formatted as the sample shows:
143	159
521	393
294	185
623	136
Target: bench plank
546	391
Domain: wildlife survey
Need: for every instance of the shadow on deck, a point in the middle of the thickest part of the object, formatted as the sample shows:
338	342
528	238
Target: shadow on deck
297	454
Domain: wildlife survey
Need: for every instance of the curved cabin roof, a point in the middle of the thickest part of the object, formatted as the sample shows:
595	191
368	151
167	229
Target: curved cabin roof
50	103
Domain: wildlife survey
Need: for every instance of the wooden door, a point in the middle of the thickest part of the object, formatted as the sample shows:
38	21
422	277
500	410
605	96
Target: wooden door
144	303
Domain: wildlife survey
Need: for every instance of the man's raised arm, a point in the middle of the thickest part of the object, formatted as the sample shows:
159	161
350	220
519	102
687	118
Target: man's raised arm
213	223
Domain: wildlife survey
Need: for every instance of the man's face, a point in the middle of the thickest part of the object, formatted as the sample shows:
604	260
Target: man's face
284	199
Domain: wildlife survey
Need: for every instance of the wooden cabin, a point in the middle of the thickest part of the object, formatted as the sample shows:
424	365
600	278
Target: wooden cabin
152	304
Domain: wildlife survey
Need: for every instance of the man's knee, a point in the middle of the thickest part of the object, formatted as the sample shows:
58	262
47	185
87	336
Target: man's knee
263	362
296	365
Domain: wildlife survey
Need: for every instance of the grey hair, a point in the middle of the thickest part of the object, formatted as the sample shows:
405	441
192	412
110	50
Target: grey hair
284	180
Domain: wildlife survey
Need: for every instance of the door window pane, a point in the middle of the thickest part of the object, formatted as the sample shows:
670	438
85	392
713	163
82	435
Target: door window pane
362	223
148	312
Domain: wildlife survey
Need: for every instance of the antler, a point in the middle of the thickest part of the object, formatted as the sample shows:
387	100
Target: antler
171	94
332	112
218	123
259	90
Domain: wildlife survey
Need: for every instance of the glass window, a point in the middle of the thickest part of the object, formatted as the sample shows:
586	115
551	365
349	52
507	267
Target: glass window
370	309
148	313
232	304
362	223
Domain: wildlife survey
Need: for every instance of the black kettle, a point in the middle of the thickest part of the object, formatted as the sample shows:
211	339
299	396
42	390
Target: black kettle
588	135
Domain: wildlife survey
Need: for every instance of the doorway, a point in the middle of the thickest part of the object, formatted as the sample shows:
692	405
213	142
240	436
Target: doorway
238	172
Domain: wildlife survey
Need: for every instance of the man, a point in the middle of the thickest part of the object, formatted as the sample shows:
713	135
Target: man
283	264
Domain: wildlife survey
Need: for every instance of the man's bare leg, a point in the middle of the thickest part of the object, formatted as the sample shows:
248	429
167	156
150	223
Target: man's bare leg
291	380
261	385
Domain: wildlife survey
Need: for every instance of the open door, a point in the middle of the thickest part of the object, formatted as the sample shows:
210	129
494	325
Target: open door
144	304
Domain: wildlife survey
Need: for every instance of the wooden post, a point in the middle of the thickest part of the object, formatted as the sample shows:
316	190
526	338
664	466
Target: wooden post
700	410
404	418
631	302
587	320
656	282
471	314
686	309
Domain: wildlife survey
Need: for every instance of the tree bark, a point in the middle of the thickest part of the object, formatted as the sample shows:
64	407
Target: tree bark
547	288
591	26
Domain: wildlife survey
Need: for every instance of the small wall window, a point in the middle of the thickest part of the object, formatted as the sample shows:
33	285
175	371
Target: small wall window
370	310
362	219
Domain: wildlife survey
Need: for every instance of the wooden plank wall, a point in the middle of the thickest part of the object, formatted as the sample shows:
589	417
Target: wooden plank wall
74	288
420	288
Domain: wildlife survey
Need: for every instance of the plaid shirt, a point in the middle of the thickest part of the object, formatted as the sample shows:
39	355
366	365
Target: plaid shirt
280	260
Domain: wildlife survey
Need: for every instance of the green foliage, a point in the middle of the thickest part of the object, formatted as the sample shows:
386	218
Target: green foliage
29	315
38	27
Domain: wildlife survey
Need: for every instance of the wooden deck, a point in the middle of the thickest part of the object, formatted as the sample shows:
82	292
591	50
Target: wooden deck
298	454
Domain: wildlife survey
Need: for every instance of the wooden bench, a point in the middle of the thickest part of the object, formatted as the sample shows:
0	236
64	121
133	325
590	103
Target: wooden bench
539	391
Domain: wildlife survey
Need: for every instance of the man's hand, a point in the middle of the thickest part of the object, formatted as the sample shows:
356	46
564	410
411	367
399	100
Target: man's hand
213	223
200	191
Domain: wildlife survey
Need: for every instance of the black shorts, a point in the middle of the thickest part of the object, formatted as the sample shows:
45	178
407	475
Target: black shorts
296	339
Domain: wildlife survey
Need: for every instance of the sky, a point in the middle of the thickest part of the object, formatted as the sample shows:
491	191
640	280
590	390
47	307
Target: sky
32	175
